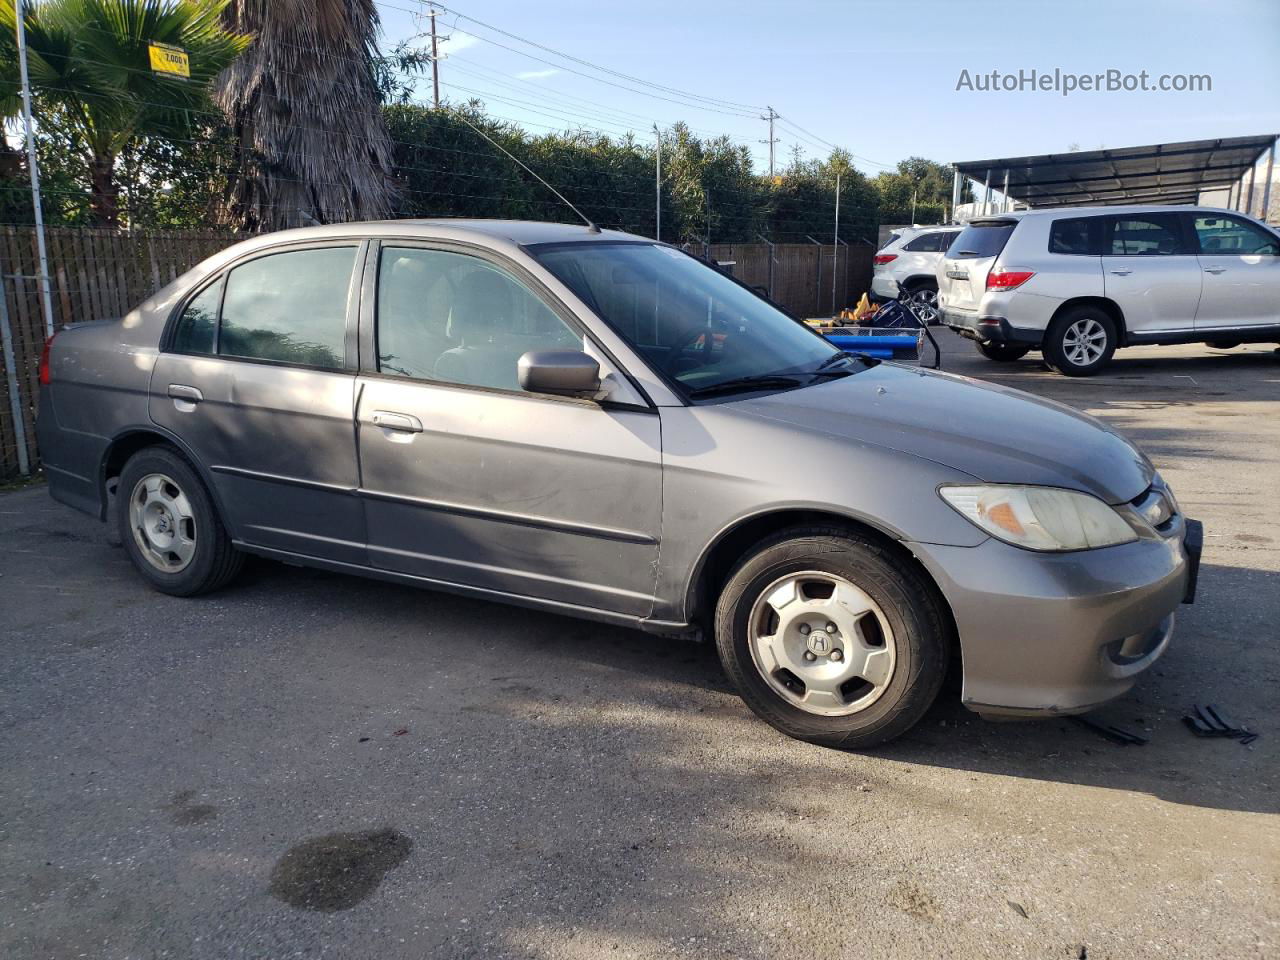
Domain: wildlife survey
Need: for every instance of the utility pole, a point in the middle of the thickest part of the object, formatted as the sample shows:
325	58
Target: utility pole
34	169
657	186
835	248
770	116
435	57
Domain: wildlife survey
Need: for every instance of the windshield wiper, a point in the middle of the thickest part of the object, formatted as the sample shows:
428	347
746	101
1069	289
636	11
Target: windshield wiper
768	381
824	368
835	358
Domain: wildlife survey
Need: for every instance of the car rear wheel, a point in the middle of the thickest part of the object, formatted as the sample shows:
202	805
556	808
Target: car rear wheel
169	526
1002	351
924	298
1080	342
831	637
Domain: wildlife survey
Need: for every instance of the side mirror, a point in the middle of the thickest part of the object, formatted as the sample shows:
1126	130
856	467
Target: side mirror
568	373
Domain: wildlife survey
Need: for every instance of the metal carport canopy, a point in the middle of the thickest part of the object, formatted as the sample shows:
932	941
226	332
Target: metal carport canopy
1160	173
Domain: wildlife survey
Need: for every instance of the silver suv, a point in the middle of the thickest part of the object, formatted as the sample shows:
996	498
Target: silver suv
1079	283
906	267
598	425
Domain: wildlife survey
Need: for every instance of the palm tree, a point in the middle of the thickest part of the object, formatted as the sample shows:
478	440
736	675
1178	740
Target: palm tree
305	110
90	71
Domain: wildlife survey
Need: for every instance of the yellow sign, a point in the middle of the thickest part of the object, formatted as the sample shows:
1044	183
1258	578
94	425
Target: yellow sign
167	59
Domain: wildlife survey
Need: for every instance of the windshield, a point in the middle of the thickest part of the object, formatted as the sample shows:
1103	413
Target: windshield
701	329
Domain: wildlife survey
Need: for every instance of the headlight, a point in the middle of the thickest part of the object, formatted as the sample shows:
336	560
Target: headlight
1040	518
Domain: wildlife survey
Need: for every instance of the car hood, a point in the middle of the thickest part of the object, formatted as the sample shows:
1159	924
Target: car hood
994	433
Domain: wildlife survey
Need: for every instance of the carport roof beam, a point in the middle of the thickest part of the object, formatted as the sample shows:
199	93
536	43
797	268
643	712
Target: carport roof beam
1158	173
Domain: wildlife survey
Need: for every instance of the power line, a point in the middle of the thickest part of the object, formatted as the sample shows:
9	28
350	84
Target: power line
595	66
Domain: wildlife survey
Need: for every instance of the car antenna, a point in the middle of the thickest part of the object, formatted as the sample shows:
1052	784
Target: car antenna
591	227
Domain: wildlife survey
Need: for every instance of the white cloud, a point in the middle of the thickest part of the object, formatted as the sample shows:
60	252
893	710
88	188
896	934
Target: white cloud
536	74
459	40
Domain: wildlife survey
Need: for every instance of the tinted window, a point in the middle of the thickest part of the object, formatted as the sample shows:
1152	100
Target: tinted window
979	240
1071	236
455	318
1227	235
930	243
289	307
198	321
1150	235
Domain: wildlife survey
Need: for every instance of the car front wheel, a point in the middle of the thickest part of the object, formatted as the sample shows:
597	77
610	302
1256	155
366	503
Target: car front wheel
1080	342
832	637
169	526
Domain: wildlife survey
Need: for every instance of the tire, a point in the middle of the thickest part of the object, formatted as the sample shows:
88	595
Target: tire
901	645
1080	342
1224	344
925	298
169	525
1004	352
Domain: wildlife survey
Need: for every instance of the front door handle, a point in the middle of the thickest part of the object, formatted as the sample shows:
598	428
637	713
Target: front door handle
1122	273
400	422
1215	270
180	391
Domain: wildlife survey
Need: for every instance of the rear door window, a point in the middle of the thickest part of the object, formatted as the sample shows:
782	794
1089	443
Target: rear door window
982	240
925	243
289	307
199	321
1146	235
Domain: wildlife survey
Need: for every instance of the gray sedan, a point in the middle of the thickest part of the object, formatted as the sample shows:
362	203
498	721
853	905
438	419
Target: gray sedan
603	426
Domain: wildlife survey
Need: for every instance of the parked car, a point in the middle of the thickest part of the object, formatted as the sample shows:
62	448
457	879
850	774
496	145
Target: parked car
1079	283
906	267
599	425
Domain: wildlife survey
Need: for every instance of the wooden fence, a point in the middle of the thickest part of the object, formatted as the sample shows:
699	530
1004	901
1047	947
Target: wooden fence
100	274
94	274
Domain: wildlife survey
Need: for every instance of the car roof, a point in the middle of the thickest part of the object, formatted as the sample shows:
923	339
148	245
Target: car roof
1101	210
522	232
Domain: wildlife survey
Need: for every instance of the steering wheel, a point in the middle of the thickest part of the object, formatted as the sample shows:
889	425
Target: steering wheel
677	352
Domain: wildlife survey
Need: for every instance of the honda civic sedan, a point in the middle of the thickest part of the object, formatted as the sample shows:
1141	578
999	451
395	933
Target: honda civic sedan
595	424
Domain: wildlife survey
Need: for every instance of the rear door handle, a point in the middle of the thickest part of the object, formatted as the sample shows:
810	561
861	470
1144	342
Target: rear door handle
400	422
1122	273
1215	270
180	391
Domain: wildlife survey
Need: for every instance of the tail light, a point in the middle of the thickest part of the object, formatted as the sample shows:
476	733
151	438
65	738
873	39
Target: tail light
1001	279
882	258
45	378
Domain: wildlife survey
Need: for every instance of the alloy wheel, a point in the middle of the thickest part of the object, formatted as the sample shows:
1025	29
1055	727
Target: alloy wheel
163	524
926	305
821	643
1084	342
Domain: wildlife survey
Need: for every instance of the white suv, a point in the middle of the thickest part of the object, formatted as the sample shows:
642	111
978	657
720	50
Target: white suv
907	264
1078	283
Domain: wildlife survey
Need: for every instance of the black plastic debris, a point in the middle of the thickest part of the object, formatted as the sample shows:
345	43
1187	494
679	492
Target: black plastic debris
1209	721
1107	731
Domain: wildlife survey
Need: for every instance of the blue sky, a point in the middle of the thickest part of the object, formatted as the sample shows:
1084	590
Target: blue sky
876	77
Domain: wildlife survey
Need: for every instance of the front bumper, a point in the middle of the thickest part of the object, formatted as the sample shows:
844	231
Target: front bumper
1046	634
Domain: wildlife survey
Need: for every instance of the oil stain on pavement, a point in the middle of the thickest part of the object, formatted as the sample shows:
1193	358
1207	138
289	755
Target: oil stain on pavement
338	870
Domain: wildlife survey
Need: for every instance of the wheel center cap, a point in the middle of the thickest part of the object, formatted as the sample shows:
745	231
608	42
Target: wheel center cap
819	643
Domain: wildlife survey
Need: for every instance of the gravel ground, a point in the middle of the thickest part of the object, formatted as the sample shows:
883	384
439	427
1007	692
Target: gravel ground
308	765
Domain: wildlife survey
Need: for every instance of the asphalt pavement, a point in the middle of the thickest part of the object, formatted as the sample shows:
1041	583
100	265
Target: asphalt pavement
310	765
